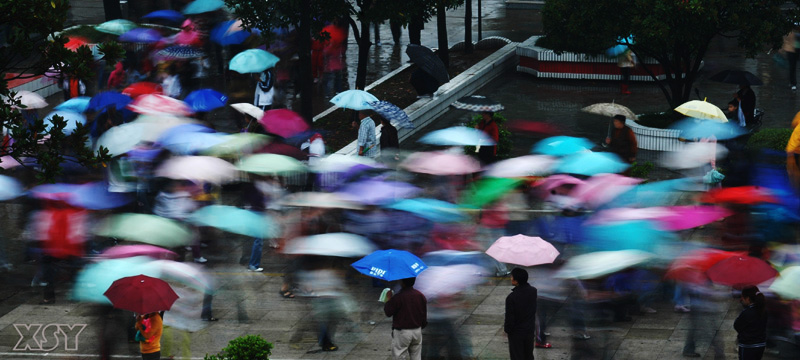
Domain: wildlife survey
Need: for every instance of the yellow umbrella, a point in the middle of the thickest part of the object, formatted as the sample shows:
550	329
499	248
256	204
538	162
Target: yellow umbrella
702	110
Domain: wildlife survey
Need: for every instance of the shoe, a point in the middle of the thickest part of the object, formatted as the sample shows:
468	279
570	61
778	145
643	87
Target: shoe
287	294
210	319
794	87
624	89
648	310
330	347
255	269
582	336
543	346
692	354
200	260
47	302
682	309
546	333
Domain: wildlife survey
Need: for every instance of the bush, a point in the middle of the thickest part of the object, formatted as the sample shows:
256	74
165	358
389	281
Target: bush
770	138
641	170
248	347
504	143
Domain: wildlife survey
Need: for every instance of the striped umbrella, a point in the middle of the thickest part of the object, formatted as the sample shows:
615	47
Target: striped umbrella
478	103
179	52
392	113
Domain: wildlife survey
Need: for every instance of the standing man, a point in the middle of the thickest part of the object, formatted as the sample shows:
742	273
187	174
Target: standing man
409	313
367	140
520	322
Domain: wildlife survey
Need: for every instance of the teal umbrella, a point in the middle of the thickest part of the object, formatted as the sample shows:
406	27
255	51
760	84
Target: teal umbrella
591	163
144	228
659	193
431	209
236	220
203	6
253	61
354	100
629	235
267	164
561	146
95	278
116	27
601	263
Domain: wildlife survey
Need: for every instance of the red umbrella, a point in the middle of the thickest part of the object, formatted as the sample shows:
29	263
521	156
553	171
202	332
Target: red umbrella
142	88
141	294
337	35
747	195
741	271
283	122
692	267
75	42
283	149
534	127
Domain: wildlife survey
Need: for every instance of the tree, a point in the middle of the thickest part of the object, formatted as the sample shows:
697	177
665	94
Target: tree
676	33
29	47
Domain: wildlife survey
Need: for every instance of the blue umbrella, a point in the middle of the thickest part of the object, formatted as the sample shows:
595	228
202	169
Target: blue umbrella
431	209
629	235
92	196
376	192
189	143
659	193
457	136
591	163
253	61
221	34
185	128
141	35
170	15
236	220
72	118
96	278
9	188
561	145
390	265
692	128
77	104
354	100
202	6
205	100
455	257
108	98
621	47
392	113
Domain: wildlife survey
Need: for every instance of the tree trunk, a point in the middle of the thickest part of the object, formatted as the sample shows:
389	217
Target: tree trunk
112	9
305	82
441	32
468	47
363	53
415	30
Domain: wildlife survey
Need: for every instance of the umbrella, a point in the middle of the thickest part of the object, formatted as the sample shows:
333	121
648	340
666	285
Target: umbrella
659	193
10	188
477	103
72	118
591	163
596	264
354	100
123	138
552	182
692	266
487	190
330	244
455	257
75	42
610	110
638	235
170	15
562	145
694	155
202	6
787	285
236	220
116	27
692	128
441	163
142	88
200	169
189	143
738	77
96	278
92	196
281	148
77	104
430	209
748	195
283	122
391	112
252	61
449	280
141	294
702	110
237	144
248	109
148	229
155	104
31	100
523	250
376	192
341	163
105	99
266	164
141	35
205	100
621	47
533	127
319	200
670	218
785	255
523	166
178	52
457	136
223	35
600	189
741	271
429	62
126	251
390	265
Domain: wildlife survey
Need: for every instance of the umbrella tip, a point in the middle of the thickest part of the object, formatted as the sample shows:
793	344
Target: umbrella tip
705	98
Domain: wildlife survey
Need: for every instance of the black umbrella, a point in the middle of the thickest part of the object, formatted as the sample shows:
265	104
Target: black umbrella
739	77
428	62
478	103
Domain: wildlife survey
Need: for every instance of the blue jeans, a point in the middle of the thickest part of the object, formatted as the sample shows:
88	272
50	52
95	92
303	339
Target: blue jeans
255	253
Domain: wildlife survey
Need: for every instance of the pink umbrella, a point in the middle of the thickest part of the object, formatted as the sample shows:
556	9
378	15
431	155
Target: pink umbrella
199	169
283	122
188	35
669	218
126	251
600	189
523	250
528	165
441	163
155	104
550	183
438	281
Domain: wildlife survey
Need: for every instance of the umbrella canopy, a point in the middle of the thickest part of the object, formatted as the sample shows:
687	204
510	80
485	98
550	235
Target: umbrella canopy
92	196
487	190
702	110
552	182
431	209
170	15
426	60
670	218
319	200
236	220
341	163
190	143
31	100
330	244
178	52
523	166
701	129
203	6
610	110
266	164
148	229
741	271
748	195
534	127
600	189
281	148
248	109
75	42
787	285
105	99
621	47
692	266
126	251
562	146
223	35
457	136
477	103
142	88
72	118
199	169
123	138
523	250
205	100
141	294
116	27
237	144
155	104
449	280
10	188
738	77
591	163
253	61
354	100
95	278
141	35
390	265
637	235
376	192
283	122
441	163
659	193
596	264
77	104
391	112
694	155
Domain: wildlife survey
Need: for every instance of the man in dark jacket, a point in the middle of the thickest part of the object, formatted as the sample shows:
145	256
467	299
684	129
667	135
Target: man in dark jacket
409	312
520	322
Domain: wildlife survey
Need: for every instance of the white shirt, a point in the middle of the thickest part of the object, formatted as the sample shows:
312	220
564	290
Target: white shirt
172	86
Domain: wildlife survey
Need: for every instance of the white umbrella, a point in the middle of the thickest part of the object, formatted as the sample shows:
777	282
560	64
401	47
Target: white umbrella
31	100
694	155
610	109
249	109
341	163
447	280
331	244
198	168
596	264
319	200
529	165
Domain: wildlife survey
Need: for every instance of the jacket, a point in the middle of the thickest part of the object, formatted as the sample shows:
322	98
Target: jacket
751	325
521	310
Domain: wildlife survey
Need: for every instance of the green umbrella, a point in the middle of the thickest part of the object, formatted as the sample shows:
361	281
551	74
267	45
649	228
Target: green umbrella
239	143
787	285
270	164
94	279
488	190
116	27
148	229
236	220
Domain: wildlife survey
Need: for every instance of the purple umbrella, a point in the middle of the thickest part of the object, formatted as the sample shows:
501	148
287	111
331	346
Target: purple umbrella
374	192
141	35
126	251
92	196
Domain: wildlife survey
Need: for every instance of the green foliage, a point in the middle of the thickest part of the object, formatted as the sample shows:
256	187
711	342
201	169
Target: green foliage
641	170
770	138
248	347
504	144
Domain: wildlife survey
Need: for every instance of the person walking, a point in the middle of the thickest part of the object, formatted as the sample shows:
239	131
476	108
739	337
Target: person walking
520	318
367	140
487	124
409	312
265	91
751	324
622	140
791	44
150	327
626	62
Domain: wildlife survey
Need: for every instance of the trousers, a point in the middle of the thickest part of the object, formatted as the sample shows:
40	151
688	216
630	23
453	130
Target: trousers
407	343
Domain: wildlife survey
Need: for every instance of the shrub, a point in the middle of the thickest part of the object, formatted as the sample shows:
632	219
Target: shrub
248	347
770	138
504	143
641	170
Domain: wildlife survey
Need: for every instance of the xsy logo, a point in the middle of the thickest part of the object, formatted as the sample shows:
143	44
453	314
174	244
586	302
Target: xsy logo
377	272
47	337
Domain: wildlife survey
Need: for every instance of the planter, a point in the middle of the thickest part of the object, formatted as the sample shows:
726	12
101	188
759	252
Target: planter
655	139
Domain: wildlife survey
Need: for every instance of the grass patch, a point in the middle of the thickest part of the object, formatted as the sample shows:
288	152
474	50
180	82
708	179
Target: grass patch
770	138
